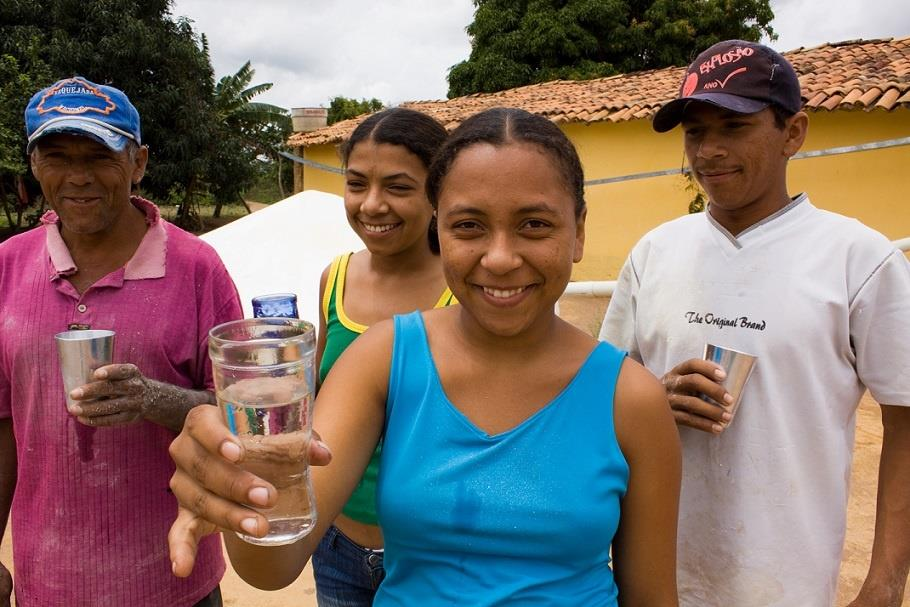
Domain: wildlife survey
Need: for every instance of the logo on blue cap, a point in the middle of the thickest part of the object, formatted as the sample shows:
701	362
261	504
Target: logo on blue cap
55	99
77	106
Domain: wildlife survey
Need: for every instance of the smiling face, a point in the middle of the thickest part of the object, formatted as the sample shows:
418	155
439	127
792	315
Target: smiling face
85	182
385	197
741	160
508	234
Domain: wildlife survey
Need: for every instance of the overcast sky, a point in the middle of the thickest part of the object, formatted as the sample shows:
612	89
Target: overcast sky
401	50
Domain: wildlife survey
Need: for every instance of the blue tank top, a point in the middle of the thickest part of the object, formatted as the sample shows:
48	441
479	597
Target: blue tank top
524	517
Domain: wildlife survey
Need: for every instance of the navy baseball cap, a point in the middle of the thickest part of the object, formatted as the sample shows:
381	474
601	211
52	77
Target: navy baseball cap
80	107
743	77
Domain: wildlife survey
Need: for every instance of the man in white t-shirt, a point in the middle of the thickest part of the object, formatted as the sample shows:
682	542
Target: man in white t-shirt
821	300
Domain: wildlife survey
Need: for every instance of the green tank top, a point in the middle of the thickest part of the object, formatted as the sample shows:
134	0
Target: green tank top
340	331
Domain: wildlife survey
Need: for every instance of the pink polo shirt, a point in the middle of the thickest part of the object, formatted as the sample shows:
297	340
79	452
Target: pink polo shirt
92	507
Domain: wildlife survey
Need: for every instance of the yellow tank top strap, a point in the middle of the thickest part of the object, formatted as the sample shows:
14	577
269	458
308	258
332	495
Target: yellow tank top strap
337	263
446	299
339	297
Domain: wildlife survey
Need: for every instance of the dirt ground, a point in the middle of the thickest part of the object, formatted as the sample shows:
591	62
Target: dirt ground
586	313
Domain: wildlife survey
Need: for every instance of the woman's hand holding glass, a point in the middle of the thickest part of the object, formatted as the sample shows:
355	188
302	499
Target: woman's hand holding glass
213	491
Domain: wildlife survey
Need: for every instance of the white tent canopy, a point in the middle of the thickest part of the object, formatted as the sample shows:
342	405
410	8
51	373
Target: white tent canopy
284	248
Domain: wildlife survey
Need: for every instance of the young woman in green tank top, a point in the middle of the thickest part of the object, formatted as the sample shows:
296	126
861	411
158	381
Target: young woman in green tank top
386	161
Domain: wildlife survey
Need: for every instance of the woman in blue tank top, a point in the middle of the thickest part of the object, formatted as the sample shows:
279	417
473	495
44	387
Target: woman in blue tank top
523	462
386	160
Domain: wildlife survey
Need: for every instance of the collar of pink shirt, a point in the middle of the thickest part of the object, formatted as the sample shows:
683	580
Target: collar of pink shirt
147	262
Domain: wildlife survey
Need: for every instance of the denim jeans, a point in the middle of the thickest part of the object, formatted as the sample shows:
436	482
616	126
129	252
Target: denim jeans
213	599
346	573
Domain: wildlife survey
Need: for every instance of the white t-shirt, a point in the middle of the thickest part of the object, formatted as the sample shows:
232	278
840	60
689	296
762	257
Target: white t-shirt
824	303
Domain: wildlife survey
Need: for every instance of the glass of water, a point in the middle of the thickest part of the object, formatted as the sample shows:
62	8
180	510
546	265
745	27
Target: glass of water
263	370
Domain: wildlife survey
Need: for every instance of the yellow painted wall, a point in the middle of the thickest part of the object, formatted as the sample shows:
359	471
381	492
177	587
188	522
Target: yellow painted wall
871	186
620	213
317	179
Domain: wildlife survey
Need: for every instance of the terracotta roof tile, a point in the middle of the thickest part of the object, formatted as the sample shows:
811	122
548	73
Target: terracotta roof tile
816	99
853	96
870	96
856	74
887	100
832	102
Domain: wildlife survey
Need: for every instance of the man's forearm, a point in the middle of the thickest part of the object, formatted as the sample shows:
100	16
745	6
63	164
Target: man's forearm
891	548
168	404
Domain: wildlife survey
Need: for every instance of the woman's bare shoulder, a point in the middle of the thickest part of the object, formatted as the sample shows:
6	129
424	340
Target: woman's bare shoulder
641	410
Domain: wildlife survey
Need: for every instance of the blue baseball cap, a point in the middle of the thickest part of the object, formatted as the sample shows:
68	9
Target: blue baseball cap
80	107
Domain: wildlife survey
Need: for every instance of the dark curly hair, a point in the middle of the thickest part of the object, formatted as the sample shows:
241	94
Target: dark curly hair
499	126
417	132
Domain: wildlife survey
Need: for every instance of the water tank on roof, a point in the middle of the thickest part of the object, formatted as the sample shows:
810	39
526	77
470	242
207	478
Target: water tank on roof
308	118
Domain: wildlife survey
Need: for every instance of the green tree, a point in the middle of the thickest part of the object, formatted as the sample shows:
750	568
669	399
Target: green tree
519	42
135	45
342	108
164	67
21	74
248	134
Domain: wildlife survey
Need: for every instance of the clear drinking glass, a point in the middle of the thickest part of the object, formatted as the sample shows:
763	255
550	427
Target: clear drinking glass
263	370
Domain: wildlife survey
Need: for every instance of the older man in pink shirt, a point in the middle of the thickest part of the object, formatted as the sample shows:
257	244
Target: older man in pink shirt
87	488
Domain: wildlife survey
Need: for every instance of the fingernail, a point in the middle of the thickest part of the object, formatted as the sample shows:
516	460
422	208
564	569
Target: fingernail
717	428
726	416
76	410
77	393
230	451
258	496
174	567
249	525
728	398
720	373
101	373
323	446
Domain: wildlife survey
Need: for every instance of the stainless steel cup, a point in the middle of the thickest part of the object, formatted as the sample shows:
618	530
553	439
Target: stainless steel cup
81	352
738	366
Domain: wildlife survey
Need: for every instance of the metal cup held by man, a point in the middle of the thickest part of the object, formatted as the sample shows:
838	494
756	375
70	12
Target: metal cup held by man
738	367
80	353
